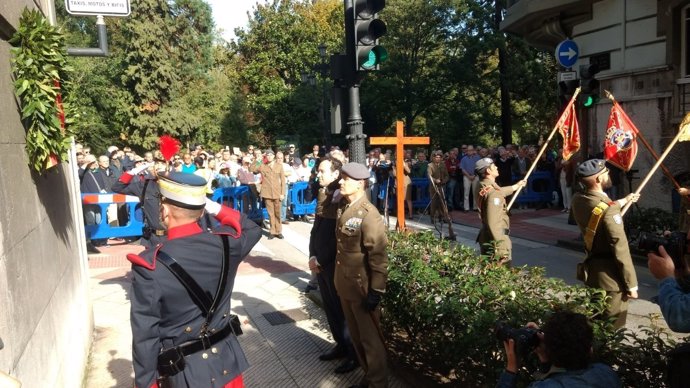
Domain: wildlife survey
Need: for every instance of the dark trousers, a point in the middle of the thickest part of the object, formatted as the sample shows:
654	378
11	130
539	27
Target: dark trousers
334	310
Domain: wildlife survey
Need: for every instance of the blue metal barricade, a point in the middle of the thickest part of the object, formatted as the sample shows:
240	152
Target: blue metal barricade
103	230
540	187
298	199
242	199
420	193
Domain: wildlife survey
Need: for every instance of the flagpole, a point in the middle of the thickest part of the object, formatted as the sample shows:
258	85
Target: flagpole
681	132
647	145
543	147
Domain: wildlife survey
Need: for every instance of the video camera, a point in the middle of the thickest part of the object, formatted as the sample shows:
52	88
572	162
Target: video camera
674	243
525	338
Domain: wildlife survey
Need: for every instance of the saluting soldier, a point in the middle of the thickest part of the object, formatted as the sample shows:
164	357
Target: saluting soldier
361	272
322	251
608	264
272	190
142	182
494	233
438	176
183	332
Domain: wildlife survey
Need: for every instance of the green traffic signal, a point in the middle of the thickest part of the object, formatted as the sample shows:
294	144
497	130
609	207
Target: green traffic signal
376	56
589	101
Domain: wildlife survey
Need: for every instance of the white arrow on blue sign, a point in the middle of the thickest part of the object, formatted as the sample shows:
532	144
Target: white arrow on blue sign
567	53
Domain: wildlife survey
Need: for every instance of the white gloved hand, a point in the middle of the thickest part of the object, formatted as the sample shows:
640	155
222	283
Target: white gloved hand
138	170
212	208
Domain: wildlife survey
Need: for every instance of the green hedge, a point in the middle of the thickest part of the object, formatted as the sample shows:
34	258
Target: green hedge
442	303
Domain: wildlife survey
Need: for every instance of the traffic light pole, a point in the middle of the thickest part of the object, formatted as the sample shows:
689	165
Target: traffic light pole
356	137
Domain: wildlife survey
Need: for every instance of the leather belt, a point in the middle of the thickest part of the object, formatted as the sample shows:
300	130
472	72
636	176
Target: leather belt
205	342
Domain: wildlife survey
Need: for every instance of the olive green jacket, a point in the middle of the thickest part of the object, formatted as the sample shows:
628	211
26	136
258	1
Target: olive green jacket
495	221
361	259
608	264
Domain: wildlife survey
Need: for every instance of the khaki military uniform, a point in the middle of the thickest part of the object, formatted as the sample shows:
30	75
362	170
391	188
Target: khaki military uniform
361	265
493	236
437	171
608	264
272	187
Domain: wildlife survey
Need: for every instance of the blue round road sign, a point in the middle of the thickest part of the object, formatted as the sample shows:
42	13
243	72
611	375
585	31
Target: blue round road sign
567	53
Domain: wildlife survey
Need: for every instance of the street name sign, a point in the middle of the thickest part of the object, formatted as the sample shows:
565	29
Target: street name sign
567	76
98	7
567	53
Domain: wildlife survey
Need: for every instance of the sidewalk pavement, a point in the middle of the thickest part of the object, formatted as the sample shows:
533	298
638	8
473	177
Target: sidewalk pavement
284	330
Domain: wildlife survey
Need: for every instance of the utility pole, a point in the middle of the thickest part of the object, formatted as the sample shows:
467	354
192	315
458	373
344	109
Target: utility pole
356	137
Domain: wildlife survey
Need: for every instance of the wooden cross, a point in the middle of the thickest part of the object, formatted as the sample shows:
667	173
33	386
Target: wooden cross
400	140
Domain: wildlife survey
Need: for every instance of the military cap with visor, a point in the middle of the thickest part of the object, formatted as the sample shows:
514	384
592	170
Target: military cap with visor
184	190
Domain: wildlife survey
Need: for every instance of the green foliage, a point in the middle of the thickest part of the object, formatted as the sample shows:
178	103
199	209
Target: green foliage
652	220
164	75
442	302
40	70
280	44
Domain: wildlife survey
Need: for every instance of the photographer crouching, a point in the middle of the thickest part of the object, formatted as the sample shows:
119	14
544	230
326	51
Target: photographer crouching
564	348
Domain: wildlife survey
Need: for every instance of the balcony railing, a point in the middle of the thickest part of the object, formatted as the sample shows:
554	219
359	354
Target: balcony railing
683	95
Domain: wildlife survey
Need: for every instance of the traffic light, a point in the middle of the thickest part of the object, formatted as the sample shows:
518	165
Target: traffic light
589	93
566	89
367	29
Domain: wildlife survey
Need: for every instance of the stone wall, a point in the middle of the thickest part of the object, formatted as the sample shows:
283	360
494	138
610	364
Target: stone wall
46	321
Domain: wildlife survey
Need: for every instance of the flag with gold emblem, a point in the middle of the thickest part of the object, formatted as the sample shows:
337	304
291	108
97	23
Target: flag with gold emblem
620	143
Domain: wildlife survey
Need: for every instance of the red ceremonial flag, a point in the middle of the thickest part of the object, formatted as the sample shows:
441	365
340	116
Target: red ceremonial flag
569	130
620	144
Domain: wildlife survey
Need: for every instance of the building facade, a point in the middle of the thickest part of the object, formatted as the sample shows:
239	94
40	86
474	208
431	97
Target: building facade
642	48
46	321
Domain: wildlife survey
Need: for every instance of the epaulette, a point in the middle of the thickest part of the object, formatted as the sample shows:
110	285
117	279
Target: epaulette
142	262
486	190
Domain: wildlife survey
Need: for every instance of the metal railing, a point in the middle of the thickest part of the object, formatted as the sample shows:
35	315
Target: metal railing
683	95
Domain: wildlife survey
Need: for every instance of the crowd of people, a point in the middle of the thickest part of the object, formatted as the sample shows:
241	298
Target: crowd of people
348	236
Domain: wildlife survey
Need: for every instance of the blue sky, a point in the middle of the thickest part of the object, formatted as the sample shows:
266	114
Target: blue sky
229	14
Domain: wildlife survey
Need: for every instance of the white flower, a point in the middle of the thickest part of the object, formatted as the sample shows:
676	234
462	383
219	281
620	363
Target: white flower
512	295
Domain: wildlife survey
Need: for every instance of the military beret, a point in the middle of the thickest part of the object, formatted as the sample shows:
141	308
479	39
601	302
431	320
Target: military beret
591	167
356	171
269	151
482	164
183	189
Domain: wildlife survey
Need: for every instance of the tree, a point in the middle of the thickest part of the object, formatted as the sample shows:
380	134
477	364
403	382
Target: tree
280	43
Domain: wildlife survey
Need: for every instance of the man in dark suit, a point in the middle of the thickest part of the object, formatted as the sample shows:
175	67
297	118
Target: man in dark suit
182	331
608	264
322	251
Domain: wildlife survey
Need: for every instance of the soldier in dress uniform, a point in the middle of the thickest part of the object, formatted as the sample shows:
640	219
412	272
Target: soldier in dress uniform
608	264
272	190
491	200
438	176
182	329
361	272
322	251
142	182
